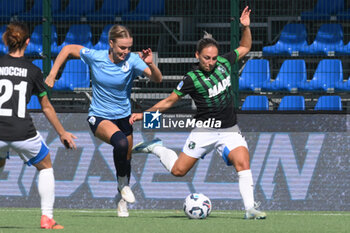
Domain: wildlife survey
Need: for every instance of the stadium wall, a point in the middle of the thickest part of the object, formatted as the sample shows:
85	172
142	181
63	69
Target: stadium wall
299	162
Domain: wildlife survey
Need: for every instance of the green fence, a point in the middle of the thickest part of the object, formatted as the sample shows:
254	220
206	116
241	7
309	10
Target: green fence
171	29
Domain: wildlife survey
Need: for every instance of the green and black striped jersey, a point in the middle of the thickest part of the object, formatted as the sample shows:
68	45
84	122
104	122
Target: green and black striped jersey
212	91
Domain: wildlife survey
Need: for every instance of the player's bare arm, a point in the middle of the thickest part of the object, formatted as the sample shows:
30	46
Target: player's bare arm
162	106
152	71
66	138
73	50
246	40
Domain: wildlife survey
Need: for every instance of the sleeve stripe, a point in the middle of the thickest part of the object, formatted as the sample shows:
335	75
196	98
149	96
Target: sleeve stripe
178	92
236	54
42	94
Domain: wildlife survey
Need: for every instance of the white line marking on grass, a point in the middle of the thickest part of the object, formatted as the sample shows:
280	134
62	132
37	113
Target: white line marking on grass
95	211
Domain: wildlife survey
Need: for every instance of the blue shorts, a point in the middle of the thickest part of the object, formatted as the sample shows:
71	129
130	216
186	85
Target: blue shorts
123	124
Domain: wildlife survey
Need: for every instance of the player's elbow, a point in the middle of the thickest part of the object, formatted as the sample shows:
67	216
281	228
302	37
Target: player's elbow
178	172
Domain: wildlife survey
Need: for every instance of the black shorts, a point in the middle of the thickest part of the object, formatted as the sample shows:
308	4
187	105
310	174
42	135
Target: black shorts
123	124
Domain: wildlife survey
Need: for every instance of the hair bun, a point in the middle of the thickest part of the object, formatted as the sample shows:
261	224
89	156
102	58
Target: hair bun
207	35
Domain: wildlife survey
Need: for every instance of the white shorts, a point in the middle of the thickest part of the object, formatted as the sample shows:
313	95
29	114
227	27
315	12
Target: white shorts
202	141
31	151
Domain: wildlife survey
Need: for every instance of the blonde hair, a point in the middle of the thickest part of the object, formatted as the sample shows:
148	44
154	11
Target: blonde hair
15	36
118	31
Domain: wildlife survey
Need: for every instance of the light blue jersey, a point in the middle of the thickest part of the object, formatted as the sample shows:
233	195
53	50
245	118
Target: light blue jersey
111	83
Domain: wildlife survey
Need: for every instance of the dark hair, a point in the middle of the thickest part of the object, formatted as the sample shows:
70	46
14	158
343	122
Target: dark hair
206	41
15	36
118	31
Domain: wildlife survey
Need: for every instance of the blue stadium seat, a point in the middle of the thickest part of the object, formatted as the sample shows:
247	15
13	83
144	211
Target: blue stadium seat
329	103
3	47
343	86
36	12
289	78
254	74
255	103
290	103
75	10
344	15
323	10
78	34
329	37
35	46
328	73
293	37
39	63
109	10
9	8
344	50
75	75
103	42
34	103
145	9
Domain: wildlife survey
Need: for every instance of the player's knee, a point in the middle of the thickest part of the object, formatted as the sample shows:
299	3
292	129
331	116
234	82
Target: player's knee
120	145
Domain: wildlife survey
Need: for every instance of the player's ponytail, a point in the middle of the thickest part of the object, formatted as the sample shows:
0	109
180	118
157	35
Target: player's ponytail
206	41
15	36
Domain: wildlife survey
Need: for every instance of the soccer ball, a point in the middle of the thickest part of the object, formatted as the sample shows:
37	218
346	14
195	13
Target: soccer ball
197	206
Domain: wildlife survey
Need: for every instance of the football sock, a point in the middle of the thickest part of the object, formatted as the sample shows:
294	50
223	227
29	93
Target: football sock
46	188
167	157
128	169
120	145
246	188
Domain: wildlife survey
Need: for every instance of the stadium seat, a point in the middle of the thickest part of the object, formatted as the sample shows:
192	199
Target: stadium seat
329	103
144	10
255	103
34	103
328	73
109	10
323	10
344	15
103	42
254	74
75	75
329	37
35	46
344	50
290	103
343	86
293	37
75	10
9	8
39	63
78	34
36	12
3	47
289	78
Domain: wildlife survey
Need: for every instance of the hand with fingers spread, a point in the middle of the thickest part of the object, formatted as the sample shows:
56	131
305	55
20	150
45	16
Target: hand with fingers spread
245	17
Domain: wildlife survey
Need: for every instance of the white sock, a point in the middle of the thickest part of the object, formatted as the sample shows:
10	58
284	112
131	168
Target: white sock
167	157
246	188
46	187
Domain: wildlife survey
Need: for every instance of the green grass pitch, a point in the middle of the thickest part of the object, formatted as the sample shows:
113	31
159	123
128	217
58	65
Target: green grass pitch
174	221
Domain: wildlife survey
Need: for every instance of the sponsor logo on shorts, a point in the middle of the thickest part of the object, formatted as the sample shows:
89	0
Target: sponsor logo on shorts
191	145
92	120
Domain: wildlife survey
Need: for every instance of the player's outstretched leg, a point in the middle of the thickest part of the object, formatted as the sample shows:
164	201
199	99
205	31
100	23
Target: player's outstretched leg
167	157
147	147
